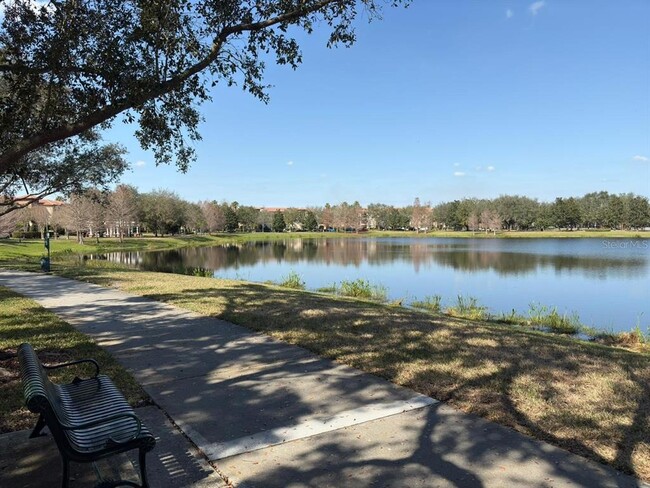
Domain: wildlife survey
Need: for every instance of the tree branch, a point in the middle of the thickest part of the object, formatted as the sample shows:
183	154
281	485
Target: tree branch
65	131
287	17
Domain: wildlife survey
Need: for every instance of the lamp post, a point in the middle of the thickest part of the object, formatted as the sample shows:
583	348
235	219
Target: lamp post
45	262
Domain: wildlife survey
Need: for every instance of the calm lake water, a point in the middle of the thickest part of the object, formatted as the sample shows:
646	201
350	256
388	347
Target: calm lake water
607	282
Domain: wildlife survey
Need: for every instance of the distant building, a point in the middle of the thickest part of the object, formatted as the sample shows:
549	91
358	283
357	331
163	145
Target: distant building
28	201
279	209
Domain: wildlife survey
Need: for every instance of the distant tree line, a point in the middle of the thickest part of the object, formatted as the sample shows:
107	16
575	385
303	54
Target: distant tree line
598	210
125	212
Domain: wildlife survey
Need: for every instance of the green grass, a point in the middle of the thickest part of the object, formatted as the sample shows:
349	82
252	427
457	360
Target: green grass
363	289
585	397
14	251
589	398
540	317
543	316
55	341
468	308
293	281
430	304
199	271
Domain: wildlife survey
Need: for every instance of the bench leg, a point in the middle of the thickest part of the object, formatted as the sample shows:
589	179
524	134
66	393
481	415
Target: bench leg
142	461
66	473
36	432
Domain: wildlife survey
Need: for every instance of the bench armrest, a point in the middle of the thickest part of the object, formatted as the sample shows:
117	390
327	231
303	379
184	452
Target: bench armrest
72	363
104	420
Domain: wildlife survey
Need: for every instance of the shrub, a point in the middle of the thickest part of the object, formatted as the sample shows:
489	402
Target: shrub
429	303
293	280
19	234
543	316
204	272
511	318
361	288
468	308
328	289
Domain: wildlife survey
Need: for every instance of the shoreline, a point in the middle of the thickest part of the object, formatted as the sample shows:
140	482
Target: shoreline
549	386
26	255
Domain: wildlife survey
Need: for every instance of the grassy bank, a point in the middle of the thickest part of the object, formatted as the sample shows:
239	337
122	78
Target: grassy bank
23	320
13	251
588	398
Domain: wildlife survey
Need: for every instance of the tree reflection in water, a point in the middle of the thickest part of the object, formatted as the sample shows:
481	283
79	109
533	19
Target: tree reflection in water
411	260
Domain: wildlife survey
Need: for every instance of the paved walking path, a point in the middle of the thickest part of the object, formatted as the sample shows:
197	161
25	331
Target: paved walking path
269	414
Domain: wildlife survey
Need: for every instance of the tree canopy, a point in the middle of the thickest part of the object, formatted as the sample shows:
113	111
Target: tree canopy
69	67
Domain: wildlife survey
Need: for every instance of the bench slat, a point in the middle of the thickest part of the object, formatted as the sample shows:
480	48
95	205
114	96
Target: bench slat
65	407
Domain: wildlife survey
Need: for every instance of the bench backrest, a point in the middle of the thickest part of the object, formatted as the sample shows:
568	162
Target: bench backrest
38	389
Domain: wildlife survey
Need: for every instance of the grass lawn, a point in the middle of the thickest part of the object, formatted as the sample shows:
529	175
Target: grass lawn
588	398
55	341
591	399
13	251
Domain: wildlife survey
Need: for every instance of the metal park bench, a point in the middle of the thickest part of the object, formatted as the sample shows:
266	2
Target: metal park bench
88	418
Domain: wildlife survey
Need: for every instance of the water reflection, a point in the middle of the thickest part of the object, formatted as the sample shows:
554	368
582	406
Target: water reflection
606	285
512	259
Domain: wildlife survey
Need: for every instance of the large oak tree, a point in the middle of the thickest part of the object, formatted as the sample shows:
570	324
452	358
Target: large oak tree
69	68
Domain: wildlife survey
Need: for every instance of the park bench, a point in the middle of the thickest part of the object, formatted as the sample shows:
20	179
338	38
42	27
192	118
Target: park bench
88	418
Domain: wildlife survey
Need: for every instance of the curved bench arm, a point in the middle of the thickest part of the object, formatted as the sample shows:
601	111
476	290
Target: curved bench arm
72	363
111	418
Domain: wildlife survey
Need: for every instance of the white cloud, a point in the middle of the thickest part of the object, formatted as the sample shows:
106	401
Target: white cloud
509	14
490	168
638	157
456	165
459	173
140	163
535	7
289	163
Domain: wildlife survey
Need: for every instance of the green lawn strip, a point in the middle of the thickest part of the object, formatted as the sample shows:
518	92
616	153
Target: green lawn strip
588	398
55	341
12	250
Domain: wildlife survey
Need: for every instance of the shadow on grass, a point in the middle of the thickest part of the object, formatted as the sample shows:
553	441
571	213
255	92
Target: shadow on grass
486	370
589	399
56	342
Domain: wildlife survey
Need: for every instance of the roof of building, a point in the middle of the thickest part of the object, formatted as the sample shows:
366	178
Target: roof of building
29	199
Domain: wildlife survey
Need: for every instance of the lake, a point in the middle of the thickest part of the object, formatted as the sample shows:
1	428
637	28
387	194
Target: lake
606	282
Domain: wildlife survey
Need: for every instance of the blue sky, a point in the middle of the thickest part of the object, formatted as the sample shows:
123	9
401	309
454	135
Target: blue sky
440	101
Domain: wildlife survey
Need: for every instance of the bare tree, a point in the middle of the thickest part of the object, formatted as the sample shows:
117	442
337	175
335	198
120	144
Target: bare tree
194	218
213	215
83	214
357	218
419	215
39	215
122	209
9	223
96	216
490	220
473	221
327	217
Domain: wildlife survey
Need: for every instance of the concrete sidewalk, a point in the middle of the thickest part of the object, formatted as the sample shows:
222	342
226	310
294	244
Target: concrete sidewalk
175	462
269	414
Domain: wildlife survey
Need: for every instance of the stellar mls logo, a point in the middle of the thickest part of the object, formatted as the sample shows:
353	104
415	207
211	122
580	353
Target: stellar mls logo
627	244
